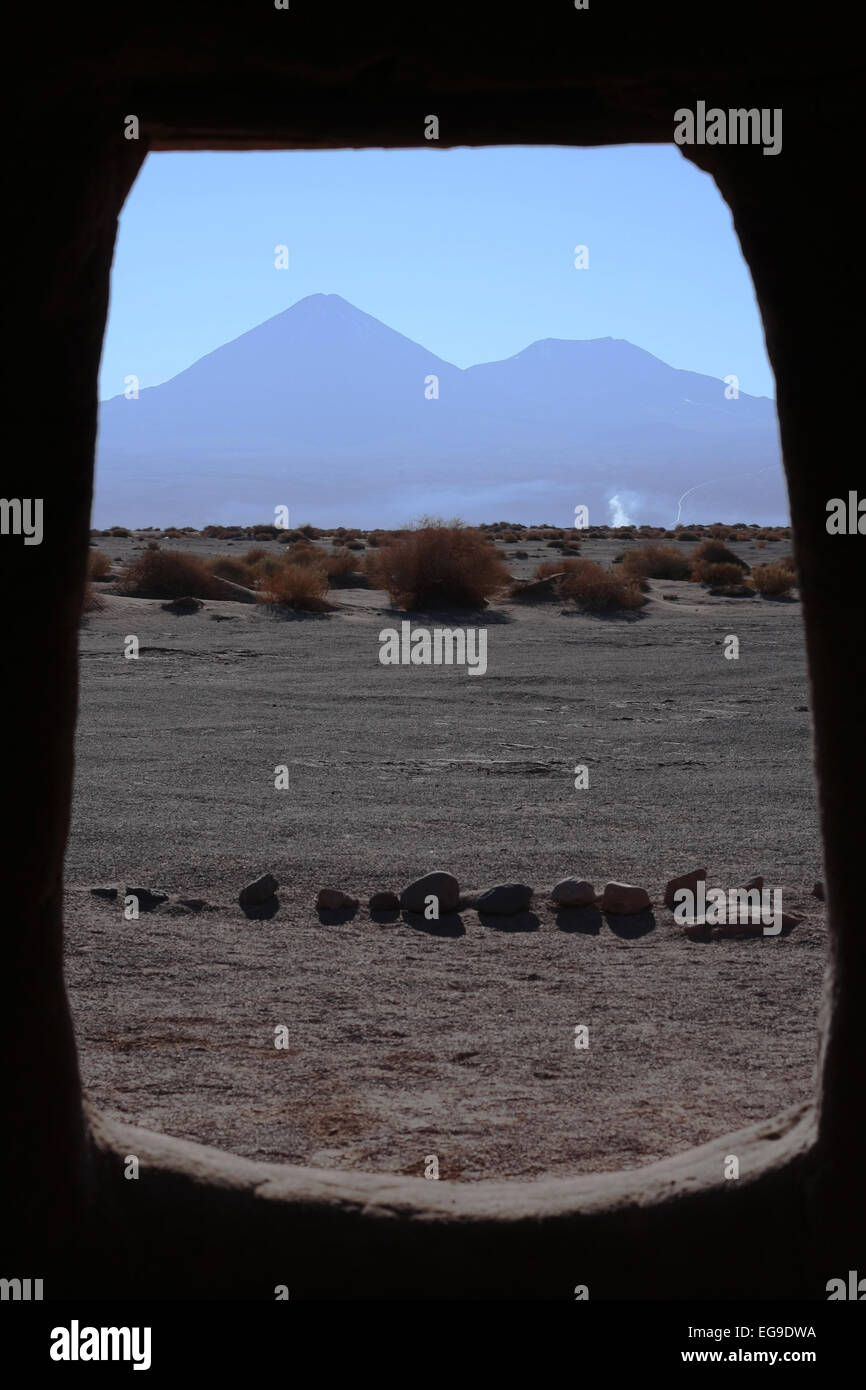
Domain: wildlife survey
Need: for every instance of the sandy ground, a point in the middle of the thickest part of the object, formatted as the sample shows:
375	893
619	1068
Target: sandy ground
456	1038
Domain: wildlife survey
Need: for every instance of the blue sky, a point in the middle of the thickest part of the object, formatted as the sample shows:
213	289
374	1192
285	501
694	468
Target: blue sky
469	252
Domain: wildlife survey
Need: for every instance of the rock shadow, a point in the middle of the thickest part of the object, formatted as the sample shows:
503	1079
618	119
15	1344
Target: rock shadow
513	921
335	916
585	921
388	916
449	924
261	912
631	925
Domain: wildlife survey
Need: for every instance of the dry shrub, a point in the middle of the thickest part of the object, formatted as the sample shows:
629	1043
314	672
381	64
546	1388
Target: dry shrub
339	561
548	567
597	590
686	536
98	565
774	580
716	552
296	586
261	564
153	545
233	568
256	555
250	569
302	553
438	566
717	573
656	562
591	586
168	574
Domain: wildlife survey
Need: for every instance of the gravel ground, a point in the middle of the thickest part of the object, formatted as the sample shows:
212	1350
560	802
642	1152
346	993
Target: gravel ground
455	1038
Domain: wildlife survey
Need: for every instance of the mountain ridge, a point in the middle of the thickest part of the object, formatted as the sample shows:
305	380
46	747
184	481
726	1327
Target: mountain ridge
325	402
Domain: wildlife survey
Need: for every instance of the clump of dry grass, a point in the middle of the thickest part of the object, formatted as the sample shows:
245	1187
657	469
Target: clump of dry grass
98	565
718	573
774	580
598	590
302	553
549	567
257	564
656	562
168	574
340	561
592	587
296	586
716	552
232	567
220	533
438	566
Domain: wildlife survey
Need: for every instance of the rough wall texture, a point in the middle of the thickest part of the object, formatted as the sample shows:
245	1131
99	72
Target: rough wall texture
205	1224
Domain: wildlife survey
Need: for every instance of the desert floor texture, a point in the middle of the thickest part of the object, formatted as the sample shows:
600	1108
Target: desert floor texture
457	1038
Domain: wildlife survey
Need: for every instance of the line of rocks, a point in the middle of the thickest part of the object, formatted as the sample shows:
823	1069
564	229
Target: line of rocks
503	900
148	899
508	899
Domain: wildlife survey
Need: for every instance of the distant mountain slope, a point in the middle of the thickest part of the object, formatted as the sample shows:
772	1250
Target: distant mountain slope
323	409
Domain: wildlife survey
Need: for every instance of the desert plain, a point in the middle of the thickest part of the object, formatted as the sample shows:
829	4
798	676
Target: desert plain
456	1038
